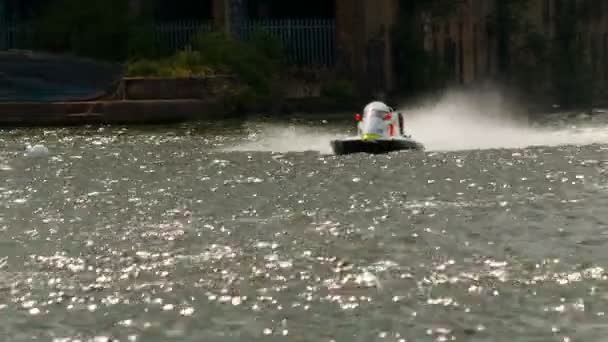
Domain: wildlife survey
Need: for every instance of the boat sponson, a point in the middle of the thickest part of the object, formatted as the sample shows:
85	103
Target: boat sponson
380	146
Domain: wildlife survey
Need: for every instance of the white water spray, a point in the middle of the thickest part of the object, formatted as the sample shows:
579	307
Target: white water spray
486	120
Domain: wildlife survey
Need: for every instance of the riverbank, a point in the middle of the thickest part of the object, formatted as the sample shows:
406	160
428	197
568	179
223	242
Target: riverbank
156	100
139	112
105	112
42	89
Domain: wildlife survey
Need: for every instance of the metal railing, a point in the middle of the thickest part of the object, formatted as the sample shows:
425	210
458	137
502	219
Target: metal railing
177	35
309	42
306	41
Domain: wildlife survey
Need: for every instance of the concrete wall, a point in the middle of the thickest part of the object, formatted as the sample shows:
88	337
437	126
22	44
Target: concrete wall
145	88
110	112
469	30
380	16
464	40
364	42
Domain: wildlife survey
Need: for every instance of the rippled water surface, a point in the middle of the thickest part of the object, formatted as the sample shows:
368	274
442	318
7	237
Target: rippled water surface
200	233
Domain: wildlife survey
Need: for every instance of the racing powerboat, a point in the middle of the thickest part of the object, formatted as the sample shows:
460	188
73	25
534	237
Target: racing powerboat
380	130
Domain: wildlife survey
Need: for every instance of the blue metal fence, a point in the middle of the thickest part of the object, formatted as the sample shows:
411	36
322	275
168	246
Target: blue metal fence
177	35
306	41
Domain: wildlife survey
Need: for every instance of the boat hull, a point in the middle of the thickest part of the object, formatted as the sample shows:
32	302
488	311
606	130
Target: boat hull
378	146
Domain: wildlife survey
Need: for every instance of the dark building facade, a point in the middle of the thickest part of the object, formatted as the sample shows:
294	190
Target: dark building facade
362	35
361	38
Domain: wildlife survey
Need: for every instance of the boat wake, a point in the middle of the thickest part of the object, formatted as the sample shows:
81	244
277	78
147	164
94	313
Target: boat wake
457	121
283	138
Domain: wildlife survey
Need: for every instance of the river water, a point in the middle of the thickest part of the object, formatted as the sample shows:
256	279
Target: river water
202	233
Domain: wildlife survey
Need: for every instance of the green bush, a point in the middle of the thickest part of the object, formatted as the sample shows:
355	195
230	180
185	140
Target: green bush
257	61
338	89
182	64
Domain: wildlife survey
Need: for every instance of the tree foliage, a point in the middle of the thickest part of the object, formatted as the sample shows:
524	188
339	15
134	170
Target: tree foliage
102	29
257	61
